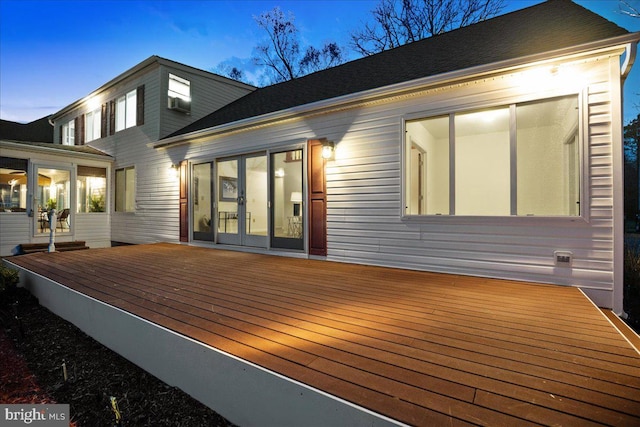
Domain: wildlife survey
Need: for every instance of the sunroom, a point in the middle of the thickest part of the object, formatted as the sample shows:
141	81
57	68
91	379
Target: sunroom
36	178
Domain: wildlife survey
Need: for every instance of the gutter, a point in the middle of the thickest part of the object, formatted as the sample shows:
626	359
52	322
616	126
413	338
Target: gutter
54	150
630	57
351	100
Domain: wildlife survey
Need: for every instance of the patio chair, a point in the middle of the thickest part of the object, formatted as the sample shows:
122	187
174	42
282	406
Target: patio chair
63	218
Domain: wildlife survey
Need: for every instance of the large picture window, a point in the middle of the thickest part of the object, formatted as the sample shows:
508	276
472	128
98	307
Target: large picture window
125	189
519	159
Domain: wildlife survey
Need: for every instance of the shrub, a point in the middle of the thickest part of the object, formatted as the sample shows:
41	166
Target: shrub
9	278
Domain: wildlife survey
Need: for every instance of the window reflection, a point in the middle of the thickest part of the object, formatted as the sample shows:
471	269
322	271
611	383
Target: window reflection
92	188
13	184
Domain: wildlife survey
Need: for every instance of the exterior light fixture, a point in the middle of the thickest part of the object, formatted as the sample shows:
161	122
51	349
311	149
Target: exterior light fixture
327	149
173	170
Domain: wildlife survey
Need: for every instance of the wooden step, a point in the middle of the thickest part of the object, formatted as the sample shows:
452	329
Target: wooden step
30	248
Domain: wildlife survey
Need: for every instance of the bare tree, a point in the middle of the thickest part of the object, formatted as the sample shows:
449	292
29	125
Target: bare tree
398	22
281	54
630	8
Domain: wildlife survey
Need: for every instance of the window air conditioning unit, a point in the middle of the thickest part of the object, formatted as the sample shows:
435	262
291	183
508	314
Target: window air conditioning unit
179	104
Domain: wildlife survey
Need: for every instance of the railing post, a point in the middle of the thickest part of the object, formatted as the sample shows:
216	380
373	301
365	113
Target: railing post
52	230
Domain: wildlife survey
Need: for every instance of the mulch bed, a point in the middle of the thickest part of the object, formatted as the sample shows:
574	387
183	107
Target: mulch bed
34	345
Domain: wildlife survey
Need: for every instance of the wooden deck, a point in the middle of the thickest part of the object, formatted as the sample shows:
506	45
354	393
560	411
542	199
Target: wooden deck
420	348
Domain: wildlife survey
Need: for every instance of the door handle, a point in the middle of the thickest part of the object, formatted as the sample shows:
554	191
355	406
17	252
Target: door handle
241	200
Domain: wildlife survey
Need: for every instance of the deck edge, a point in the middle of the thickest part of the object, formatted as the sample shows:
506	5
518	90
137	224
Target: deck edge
244	393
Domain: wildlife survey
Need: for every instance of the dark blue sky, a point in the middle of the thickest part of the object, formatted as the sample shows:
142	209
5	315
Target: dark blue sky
55	52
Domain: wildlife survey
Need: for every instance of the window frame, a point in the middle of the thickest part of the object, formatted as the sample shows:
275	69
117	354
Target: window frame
511	104
69	132
95	118
126	193
181	81
128	115
80	173
17	164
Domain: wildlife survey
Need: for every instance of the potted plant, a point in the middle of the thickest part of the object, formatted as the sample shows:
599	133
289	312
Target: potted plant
51	204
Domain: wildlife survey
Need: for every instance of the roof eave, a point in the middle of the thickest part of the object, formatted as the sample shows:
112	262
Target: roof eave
624	43
21	146
134	70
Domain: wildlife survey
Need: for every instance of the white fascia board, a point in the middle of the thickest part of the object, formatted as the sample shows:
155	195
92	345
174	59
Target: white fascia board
138	68
620	43
17	146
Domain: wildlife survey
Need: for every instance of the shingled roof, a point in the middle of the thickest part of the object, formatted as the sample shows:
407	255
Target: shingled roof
549	26
36	131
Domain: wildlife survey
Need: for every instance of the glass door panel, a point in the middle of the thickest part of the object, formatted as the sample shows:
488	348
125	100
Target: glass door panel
228	220
242	200
201	202
287	222
255	200
53	191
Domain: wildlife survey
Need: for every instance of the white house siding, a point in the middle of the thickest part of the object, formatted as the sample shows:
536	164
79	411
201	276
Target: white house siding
364	187
208	93
15	229
365	204
156	190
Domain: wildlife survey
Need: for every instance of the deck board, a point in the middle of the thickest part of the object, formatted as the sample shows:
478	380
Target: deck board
419	347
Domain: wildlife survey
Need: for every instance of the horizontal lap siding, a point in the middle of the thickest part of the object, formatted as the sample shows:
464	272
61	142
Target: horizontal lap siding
14	229
364	184
92	228
156	215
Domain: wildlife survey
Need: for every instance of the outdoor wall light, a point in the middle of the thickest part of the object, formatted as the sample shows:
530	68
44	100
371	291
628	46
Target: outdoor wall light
173	170
327	149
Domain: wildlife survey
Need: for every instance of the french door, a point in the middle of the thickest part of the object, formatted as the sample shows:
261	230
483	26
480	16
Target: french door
53	191
250	200
241	189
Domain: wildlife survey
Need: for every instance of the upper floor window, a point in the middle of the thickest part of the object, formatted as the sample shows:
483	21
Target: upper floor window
92	125
519	159
126	107
69	133
179	94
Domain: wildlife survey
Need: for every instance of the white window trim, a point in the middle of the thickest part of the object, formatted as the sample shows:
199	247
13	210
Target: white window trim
178	94
127	116
96	131
68	132
115	189
584	216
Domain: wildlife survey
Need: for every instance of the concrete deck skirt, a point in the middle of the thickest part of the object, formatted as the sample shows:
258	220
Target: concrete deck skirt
242	392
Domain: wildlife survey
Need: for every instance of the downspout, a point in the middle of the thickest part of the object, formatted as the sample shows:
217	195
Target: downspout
625	69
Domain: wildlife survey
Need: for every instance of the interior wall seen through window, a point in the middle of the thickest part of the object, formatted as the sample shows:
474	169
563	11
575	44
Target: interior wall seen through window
520	159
